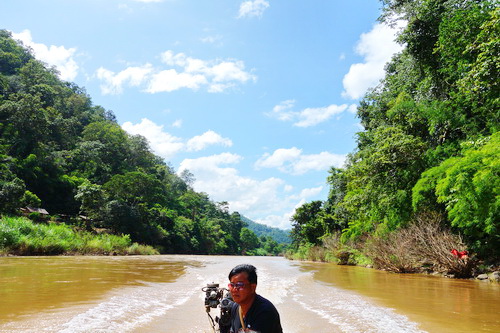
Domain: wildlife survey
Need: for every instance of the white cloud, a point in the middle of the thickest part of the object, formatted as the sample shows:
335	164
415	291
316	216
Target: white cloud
169	80
208	138
253	8
283	111
248	196
222	182
295	201
162	143
58	56
377	47
310	192
191	73
113	83
177	123
149	1
317	162
166	145
353	108
292	161
307	117
218	75
172	59
313	116
214	39
217	176
278	158
277	221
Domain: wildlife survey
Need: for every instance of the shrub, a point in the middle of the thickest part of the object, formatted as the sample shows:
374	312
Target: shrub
434	244
393	252
423	242
136	248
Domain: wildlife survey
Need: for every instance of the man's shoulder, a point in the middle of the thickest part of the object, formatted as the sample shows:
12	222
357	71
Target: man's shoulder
264	303
265	316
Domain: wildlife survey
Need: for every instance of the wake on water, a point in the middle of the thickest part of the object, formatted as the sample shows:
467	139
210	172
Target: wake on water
297	296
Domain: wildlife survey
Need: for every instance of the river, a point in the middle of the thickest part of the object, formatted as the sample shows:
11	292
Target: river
163	294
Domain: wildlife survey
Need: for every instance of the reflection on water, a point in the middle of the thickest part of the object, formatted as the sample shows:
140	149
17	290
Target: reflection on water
439	304
163	294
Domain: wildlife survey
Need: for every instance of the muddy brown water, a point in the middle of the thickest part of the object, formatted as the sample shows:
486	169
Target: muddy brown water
163	294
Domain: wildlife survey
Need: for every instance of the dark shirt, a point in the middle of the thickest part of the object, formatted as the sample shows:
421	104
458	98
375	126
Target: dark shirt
262	317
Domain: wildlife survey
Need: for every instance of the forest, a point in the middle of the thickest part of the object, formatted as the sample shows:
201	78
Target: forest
83	177
424	177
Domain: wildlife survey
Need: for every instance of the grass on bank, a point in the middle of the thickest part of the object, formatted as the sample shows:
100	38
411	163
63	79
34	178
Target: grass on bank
21	236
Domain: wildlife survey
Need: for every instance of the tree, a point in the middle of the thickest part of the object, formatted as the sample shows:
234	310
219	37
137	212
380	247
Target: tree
308	227
249	240
92	199
11	194
380	178
469	188
136	188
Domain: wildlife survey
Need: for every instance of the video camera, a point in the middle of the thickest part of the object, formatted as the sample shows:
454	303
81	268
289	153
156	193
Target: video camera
219	297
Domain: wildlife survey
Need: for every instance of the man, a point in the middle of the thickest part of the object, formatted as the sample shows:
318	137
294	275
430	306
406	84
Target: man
251	311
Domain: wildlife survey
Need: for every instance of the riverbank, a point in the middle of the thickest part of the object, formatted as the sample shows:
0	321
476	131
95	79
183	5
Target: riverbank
21	236
350	256
423	246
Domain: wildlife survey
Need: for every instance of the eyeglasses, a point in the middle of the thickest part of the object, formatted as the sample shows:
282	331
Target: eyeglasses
237	285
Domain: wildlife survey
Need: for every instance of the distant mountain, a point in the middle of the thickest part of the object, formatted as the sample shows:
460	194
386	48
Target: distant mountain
279	235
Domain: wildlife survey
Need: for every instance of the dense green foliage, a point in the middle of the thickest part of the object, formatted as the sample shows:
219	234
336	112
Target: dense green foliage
19	235
60	152
430	140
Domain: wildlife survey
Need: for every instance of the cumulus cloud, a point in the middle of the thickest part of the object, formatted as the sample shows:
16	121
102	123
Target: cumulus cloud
208	138
113	83
310	192
58	56
217	176
220	181
292	161
170	80
162	143
166	145
270	201
294	201
377	47
184	72
253	8
277	221
279	158
307	117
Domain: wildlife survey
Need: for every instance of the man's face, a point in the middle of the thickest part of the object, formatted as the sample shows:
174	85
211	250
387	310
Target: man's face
244	294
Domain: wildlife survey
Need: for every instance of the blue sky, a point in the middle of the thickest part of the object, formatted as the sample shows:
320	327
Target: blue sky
256	98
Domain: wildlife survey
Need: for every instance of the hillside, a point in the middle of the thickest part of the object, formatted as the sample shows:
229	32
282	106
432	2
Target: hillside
279	235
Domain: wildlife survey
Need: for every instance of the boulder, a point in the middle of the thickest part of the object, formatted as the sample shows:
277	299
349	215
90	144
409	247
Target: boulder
482	277
495	276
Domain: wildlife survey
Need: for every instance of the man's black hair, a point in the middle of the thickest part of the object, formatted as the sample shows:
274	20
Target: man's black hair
249	269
